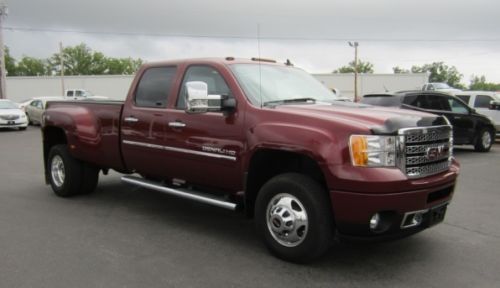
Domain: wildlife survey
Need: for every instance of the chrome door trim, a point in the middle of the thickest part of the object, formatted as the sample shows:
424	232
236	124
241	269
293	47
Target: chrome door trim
180	150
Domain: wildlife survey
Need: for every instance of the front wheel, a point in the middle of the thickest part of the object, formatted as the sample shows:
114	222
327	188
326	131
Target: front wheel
294	217
484	141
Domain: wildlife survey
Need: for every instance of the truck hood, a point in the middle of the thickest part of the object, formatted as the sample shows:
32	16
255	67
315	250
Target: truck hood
380	120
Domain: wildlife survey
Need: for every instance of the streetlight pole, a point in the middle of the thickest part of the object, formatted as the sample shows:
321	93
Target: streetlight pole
355	45
3	13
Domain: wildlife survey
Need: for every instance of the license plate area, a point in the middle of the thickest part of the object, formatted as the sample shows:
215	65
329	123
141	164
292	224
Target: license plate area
11	122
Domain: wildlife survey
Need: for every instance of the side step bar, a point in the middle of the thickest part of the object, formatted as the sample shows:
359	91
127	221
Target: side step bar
179	192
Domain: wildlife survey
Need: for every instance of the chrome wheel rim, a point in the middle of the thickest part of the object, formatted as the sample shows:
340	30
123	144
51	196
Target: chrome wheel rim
486	139
287	220
57	171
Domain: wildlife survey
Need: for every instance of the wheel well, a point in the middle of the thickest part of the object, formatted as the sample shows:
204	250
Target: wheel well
266	164
51	136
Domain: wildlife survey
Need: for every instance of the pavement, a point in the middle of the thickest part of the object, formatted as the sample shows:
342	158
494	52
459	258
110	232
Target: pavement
122	236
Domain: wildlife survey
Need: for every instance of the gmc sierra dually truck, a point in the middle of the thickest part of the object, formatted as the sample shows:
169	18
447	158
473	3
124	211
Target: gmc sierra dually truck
264	138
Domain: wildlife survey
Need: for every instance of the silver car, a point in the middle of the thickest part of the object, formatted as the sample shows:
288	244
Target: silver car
36	107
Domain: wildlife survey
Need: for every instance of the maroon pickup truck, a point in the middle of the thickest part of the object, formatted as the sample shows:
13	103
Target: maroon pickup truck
264	138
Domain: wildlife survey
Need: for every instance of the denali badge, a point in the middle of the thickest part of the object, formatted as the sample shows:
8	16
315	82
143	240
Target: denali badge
438	152
218	150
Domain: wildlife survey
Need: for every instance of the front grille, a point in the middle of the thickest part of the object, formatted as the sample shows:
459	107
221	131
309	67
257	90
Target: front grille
9	117
425	151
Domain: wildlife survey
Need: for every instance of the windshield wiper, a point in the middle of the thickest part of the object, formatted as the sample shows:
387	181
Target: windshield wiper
285	101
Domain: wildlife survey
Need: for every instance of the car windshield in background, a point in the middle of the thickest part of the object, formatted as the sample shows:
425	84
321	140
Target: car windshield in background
8	105
381	100
441	86
269	84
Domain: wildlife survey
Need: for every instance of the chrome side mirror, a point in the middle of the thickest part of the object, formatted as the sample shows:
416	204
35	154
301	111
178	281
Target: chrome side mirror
198	100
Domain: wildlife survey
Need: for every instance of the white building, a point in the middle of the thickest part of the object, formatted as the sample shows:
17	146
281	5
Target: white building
116	86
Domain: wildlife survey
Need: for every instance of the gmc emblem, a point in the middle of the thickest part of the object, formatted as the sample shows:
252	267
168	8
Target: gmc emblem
434	153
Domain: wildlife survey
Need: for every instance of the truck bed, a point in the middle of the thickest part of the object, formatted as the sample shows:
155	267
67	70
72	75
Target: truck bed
92	129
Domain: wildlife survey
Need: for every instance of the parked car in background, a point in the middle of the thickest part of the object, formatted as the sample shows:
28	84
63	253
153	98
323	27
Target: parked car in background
22	104
36	107
441	87
469	127
82	94
486	103
11	116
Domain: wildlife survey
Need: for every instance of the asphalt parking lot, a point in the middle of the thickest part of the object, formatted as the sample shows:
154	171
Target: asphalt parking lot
122	236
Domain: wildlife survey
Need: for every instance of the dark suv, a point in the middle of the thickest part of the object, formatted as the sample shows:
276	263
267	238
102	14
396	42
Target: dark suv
469	127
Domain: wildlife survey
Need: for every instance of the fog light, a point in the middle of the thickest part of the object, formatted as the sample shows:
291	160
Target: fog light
374	221
417	219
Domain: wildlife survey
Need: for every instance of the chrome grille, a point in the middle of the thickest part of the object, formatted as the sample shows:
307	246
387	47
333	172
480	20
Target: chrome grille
9	117
425	151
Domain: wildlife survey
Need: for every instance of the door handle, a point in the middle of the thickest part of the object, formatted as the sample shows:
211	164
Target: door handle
131	119
176	124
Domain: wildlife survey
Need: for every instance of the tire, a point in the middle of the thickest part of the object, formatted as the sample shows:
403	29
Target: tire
29	119
484	140
90	178
307	240
69	176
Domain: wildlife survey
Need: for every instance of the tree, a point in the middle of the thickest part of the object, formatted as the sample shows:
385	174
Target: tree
10	63
399	70
439	72
479	83
79	60
122	66
29	66
363	67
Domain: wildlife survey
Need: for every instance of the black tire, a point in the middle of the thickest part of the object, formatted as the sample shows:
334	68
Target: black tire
90	178
481	144
29	119
316	203
79	177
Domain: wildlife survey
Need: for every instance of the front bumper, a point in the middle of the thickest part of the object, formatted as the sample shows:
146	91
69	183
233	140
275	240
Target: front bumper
19	123
353	210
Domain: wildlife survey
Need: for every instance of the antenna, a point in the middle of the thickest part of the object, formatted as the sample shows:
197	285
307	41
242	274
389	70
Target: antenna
260	69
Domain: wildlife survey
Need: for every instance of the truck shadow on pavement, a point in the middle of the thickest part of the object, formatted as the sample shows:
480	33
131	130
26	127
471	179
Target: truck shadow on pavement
117	202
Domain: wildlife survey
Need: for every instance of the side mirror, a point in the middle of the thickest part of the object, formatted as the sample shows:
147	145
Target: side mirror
198	100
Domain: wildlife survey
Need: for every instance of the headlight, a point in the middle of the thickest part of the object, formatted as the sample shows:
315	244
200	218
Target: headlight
373	151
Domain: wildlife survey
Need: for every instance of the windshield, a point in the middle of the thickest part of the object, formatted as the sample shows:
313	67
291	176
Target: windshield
8	105
269	83
441	86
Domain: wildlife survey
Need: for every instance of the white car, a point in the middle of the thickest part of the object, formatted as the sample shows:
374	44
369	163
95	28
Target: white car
11	116
36	107
440	87
483	102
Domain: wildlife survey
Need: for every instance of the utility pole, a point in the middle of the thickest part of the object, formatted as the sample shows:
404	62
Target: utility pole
3	13
61	56
355	45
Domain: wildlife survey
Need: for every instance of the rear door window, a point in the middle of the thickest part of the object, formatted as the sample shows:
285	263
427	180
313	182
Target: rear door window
154	87
482	101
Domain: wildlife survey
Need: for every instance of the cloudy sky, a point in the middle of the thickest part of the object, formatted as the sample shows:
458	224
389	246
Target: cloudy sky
312	33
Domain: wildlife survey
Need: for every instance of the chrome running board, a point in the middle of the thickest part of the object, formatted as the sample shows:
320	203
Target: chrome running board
179	192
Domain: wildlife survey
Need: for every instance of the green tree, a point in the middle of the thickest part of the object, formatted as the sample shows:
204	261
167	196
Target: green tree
399	70
439	72
363	67
10	63
29	66
479	83
122	66
79	60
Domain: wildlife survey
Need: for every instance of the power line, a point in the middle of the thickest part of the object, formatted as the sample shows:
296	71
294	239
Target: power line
207	36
